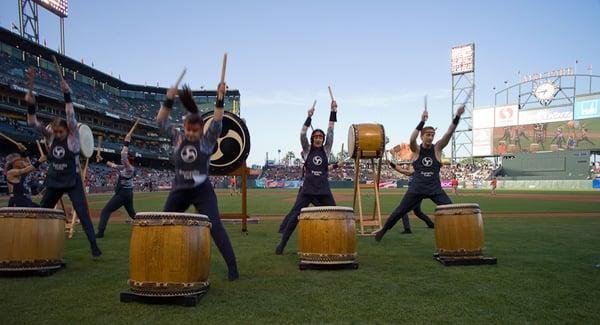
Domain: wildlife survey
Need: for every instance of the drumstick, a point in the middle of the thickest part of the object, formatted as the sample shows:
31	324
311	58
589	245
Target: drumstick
223	69
468	96
180	77
39	146
9	139
425	102
58	69
98	147
313	107
30	76
330	93
133	127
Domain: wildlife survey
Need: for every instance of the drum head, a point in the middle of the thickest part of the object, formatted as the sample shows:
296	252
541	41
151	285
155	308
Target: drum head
352	141
233	144
327	208
86	140
170	215
445	208
32	213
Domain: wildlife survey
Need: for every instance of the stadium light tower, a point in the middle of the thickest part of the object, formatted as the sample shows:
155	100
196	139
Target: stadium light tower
463	85
28	18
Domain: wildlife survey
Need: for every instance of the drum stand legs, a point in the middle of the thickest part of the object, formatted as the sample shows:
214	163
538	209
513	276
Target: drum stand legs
242	171
375	221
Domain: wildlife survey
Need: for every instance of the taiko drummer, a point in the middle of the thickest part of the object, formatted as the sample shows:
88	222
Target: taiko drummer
427	161
191	157
62	142
315	188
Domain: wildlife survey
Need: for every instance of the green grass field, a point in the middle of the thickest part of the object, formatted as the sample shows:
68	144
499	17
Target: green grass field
547	245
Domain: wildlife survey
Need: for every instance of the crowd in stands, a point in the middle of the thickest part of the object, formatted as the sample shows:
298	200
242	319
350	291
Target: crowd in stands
345	172
89	93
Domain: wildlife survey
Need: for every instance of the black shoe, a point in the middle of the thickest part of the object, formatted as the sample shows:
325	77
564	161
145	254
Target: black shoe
279	249
379	234
233	274
96	251
407	231
431	225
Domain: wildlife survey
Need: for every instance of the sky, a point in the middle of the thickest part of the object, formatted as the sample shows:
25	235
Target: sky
380	57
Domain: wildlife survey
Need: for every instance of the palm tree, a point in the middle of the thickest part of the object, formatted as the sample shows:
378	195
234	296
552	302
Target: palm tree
289	157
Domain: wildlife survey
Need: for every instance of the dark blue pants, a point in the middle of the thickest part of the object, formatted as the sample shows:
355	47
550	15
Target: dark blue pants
302	201
77	196
295	211
410	201
420	214
22	201
204	199
122	198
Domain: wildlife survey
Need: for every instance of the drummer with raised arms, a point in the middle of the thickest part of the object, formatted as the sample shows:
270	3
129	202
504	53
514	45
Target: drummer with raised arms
191	157
427	161
62	142
315	188
123	188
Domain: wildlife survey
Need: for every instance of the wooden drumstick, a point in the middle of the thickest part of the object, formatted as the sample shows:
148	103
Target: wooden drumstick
223	69
313	107
468	96
58	69
179	79
39	146
98	157
10	139
133	127
425	102
330	93
30	76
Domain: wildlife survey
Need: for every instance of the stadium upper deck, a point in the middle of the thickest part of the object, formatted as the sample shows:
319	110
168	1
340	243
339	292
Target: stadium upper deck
107	104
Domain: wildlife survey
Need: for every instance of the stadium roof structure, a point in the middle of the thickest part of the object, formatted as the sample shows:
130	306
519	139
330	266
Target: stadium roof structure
34	48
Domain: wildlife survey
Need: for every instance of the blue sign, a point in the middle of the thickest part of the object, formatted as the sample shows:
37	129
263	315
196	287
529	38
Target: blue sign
587	109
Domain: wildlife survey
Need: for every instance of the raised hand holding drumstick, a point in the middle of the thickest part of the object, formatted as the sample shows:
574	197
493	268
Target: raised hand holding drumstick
167	105
221	92
98	156
43	157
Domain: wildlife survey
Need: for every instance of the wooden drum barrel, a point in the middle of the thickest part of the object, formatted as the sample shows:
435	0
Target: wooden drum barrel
327	235
534	147
31	239
459	230
368	139
169	254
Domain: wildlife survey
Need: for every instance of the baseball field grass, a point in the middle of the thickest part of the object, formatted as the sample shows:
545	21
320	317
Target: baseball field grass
547	245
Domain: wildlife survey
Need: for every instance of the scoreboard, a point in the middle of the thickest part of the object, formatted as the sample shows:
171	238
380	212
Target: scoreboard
58	7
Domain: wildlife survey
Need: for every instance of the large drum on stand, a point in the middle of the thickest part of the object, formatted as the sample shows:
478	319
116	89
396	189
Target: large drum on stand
31	239
327	236
233	144
169	254
369	139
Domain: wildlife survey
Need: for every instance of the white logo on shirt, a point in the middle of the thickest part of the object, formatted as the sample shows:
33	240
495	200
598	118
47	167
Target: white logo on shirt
427	161
189	154
58	152
317	160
